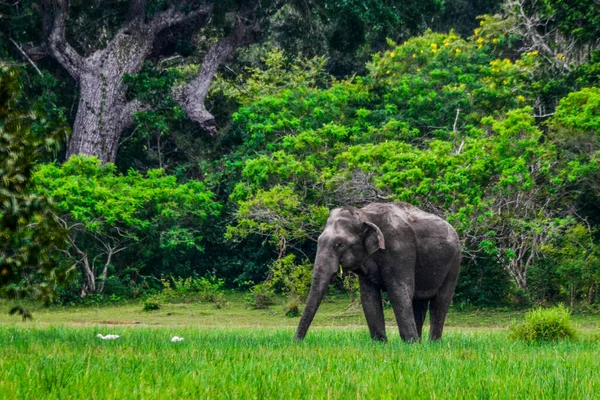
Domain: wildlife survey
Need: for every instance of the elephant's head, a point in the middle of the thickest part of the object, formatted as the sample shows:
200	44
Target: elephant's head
347	240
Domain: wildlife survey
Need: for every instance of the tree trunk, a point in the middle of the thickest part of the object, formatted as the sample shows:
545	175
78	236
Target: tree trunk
99	123
103	112
89	286
104	276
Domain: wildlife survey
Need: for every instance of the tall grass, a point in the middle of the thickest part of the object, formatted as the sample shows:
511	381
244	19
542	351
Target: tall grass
247	363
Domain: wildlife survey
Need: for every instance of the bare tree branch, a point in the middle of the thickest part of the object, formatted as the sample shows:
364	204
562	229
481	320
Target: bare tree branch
359	189
192	95
539	36
456	121
27	57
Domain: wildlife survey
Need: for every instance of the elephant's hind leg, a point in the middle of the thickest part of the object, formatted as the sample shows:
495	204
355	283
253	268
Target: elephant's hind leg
370	297
420	311
439	305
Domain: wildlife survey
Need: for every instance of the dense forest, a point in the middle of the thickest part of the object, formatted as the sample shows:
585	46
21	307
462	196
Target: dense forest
146	142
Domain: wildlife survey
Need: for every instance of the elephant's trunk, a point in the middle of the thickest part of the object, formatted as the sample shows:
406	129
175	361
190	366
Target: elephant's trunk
322	275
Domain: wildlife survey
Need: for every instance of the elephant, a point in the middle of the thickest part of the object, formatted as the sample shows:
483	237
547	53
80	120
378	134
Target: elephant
413	255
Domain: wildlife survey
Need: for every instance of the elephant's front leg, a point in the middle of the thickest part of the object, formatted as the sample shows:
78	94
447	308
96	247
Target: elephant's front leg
370	297
401	297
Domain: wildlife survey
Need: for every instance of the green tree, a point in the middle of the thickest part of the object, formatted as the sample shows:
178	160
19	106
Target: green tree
575	129
105	213
99	46
439	122
29	230
574	257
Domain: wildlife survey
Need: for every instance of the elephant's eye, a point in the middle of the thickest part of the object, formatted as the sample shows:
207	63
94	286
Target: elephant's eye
340	246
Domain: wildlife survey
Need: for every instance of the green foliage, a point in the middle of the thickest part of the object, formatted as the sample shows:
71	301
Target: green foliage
289	277
97	196
549	324
261	296
107	213
292	308
205	289
579	19
575	260
276	74
284	276
574	128
576	124
460	126
29	230
152	303
152	141
362	27
439	122
351	285
275	213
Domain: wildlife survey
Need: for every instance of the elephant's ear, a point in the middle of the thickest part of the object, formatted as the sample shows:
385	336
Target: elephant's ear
373	238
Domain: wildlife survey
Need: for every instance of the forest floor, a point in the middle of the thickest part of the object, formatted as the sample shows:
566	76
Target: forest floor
240	353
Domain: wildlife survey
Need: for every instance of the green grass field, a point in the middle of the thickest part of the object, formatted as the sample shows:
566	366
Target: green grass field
239	353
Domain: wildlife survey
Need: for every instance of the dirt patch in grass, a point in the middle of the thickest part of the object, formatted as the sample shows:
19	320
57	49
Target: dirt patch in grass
109	322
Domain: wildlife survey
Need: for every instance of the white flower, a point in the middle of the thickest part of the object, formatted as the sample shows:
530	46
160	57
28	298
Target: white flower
176	339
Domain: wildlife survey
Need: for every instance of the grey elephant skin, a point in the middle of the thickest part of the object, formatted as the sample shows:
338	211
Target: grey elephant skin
393	247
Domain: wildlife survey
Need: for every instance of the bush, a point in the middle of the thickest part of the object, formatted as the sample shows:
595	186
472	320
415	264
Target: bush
292	308
261	296
152	303
209	289
205	289
548	324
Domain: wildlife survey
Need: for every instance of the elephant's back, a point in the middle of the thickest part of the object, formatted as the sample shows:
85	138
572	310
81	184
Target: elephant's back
435	241
403	216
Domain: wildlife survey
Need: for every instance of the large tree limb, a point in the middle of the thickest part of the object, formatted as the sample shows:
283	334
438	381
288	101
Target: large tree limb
192	95
173	16
57	43
128	112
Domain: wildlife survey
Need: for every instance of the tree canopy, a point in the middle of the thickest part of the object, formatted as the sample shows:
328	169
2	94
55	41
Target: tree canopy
222	133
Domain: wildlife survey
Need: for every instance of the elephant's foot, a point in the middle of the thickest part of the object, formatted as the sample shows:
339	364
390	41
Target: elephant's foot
379	338
410	339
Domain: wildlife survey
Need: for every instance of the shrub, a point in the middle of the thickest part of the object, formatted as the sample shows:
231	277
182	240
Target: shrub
152	303
205	289
209	289
548	324
290	277
292	308
261	296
